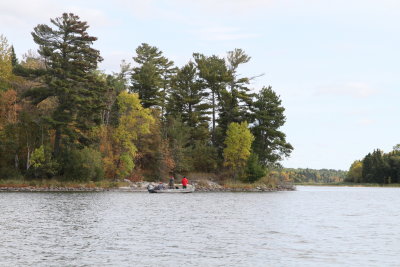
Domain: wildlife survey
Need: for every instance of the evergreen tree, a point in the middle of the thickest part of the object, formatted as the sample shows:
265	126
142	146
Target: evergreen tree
392	161
214	75
267	117
186	101
178	135
70	63
367	170
254	170
14	59
150	79
235	97
378	167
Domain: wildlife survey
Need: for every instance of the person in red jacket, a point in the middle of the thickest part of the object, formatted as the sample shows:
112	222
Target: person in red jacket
184	182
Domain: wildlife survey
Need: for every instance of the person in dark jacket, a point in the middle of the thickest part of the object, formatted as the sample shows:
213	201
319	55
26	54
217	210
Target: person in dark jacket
160	186
171	183
184	182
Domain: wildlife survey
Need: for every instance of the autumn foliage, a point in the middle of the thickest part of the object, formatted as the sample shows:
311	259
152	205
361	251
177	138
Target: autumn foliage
61	117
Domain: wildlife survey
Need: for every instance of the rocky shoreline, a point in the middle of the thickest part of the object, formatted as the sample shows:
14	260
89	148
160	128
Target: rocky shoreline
203	186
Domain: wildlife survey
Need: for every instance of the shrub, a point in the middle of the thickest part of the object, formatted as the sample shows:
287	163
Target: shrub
254	170
82	165
42	164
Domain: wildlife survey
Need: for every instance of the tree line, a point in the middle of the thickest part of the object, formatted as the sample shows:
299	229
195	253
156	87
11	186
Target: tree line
60	116
323	176
376	167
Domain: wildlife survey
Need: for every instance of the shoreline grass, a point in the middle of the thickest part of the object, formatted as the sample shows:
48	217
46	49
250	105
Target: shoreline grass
54	183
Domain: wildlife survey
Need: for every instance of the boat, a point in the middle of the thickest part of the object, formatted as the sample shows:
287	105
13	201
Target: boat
153	189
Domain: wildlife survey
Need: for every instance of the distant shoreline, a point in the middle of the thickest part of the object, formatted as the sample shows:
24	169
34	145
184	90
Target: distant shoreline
348	184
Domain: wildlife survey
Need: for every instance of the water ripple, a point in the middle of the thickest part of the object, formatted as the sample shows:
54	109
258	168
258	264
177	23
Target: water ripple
312	226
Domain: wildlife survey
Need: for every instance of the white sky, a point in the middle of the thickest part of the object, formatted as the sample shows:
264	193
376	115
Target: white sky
335	64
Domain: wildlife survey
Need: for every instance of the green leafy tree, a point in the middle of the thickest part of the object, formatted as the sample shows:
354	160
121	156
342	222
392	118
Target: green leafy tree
5	63
82	164
119	144
37	158
70	63
314	176
254	170
44	166
355	172
204	157
238	147
396	148
114	84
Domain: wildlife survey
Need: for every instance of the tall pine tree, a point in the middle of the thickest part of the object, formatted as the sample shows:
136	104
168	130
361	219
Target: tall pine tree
214	75
267	117
187	102
233	106
151	76
70	63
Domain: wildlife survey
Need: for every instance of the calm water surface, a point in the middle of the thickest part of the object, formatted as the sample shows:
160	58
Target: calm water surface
313	226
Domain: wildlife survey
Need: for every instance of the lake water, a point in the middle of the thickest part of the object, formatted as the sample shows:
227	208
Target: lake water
313	226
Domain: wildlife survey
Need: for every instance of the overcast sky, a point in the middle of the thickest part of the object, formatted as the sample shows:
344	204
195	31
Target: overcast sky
335	64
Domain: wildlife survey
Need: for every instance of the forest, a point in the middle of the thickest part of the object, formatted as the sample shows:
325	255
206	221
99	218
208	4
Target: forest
322	176
62	117
376	167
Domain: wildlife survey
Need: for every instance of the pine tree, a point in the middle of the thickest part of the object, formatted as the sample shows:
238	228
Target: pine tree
238	86
267	117
187	102
70	63
367	170
235	98
150	79
14	59
214	75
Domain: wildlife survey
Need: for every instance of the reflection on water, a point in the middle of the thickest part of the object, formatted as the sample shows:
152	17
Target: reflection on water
312	226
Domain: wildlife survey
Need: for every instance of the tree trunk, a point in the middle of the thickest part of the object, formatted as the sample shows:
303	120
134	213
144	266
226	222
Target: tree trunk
28	158
57	142
213	118
16	161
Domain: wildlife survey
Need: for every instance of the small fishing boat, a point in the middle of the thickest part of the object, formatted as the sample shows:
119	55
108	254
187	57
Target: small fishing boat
155	189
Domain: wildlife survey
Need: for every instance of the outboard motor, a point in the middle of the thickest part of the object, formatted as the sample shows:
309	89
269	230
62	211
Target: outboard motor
150	187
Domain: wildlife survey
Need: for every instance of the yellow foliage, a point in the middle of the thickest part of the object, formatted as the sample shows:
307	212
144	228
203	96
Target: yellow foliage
355	172
5	61
8	108
118	145
238	145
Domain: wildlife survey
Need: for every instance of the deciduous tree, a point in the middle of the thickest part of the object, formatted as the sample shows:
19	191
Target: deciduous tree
238	147
5	63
